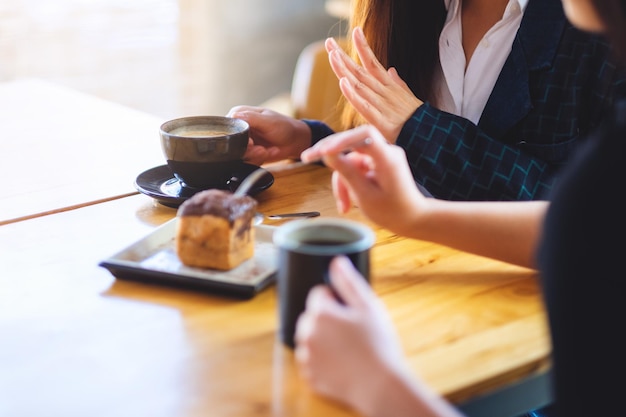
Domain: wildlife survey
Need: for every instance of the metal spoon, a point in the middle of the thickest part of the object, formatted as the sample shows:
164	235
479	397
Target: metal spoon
255	175
293	215
259	217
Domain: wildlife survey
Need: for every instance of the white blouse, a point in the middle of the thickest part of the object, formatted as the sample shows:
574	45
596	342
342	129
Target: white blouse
462	91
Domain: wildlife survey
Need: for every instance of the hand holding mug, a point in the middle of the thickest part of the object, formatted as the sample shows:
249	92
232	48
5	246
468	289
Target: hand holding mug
273	136
349	351
305	249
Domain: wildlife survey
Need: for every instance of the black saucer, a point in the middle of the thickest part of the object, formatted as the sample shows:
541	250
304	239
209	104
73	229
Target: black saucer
160	184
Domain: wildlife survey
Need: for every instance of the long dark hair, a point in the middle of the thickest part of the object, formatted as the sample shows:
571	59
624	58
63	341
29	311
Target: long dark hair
613	15
403	34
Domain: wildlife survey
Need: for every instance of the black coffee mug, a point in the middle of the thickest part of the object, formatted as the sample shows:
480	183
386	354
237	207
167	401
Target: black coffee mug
305	249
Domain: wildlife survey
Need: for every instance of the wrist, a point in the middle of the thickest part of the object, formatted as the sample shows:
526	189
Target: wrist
376	401
423	219
302	138
393	393
402	394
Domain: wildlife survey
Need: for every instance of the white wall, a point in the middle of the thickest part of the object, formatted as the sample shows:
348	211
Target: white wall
249	47
165	57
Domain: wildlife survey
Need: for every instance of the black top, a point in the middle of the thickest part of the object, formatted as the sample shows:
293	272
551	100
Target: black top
583	262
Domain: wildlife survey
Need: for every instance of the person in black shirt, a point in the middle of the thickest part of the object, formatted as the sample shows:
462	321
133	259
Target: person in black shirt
575	239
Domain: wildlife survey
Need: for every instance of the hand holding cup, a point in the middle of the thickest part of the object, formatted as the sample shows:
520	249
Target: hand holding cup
306	248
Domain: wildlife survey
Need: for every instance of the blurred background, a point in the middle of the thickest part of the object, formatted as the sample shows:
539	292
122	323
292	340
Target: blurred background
169	58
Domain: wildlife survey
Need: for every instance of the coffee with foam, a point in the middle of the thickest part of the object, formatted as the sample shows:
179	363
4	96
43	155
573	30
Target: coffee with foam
198	132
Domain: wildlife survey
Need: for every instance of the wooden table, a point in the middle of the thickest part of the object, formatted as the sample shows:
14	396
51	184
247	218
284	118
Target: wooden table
77	342
63	149
74	341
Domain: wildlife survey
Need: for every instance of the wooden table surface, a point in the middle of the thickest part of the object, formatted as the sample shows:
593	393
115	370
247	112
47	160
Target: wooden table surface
63	149
75	341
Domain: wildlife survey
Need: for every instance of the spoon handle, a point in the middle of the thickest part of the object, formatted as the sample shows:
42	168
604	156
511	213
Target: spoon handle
248	182
251	179
291	215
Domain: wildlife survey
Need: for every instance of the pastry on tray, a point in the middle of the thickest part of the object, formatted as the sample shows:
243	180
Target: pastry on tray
215	230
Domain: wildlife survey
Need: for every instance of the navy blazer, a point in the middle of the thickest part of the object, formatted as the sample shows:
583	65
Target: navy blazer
556	85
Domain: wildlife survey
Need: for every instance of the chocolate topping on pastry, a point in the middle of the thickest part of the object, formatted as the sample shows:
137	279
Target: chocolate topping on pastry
219	203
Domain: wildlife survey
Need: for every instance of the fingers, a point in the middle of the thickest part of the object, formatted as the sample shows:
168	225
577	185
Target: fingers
358	176
260	119
370	172
368	59
349	284
241	111
337	143
393	74
334	57
256	155
365	139
341	193
320	298
343	66
367	87
371	77
363	99
252	115
351	171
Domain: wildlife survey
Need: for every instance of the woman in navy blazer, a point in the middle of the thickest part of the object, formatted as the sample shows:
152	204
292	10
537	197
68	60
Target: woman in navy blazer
554	88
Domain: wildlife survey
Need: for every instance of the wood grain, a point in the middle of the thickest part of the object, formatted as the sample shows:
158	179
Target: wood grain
64	149
81	342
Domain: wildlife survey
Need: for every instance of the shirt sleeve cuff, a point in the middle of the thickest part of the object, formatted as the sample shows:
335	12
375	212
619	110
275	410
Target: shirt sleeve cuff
319	130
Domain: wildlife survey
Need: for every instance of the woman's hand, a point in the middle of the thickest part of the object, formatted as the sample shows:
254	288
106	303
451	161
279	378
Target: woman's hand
375	176
273	136
346	350
349	351
380	96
